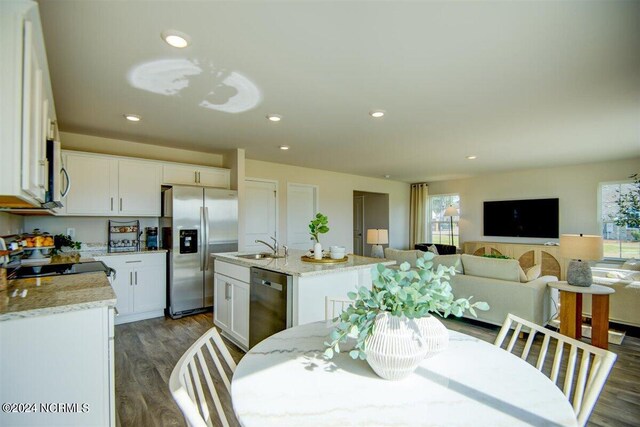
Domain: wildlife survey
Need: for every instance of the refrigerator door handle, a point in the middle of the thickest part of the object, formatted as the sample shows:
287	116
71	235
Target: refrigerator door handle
206	237
201	238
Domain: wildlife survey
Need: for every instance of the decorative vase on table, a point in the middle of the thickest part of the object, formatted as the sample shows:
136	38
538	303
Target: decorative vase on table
435	335
317	251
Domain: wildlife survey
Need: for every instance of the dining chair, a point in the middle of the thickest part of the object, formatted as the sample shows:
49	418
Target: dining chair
333	306
594	368
186	381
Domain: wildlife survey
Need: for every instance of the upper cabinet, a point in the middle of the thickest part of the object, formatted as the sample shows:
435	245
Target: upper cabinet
111	186
28	112
195	175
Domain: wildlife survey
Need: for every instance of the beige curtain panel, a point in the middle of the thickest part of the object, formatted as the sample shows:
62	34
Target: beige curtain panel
418	214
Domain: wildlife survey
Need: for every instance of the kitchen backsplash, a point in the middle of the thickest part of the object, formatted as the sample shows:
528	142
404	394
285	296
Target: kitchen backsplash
91	231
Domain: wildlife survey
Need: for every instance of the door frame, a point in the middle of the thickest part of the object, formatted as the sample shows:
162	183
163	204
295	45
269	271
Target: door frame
364	232
277	190
316	201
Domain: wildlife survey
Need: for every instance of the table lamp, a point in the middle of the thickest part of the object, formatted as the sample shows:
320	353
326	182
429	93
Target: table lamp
451	212
377	237
580	248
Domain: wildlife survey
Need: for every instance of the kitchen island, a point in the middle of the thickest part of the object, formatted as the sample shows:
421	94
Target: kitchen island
57	351
311	283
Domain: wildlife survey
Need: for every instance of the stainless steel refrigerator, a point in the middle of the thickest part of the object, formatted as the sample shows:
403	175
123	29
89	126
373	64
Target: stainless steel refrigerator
196	222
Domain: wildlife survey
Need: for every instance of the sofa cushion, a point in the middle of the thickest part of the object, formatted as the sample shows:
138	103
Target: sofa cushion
534	272
433	249
448	261
493	268
631	264
523	276
400	256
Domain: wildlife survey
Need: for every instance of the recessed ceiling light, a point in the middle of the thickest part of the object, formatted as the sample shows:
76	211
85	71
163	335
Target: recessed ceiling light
132	117
274	117
284	147
376	113
472	157
175	38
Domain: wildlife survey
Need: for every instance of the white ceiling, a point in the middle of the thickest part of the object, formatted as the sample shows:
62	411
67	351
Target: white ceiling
519	84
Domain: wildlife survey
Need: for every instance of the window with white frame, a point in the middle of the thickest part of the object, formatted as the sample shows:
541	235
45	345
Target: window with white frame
441	228
619	241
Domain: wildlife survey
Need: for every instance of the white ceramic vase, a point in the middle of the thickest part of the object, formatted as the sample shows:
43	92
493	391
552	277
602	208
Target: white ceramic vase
435	335
396	348
317	251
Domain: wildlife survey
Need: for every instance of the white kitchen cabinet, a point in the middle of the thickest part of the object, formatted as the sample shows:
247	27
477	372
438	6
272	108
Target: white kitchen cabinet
140	285
64	358
195	175
94	185
111	186
138	188
231	302
26	104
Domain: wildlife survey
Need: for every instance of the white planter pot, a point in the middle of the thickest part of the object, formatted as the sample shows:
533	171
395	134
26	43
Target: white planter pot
396	348
435	335
317	251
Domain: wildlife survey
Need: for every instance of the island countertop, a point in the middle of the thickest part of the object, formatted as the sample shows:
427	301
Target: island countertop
57	294
294	266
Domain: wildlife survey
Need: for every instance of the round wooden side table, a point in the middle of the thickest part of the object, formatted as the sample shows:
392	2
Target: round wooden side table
571	311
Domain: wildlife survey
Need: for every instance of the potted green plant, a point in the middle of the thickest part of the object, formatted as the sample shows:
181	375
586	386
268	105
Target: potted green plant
318	225
393	323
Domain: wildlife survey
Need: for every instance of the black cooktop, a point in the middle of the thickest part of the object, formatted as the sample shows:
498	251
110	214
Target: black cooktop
24	271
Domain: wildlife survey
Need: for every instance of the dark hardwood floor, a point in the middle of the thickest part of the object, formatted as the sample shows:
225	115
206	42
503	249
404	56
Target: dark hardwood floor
147	351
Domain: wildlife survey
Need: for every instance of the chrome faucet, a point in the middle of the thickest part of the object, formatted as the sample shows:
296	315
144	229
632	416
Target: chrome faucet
273	247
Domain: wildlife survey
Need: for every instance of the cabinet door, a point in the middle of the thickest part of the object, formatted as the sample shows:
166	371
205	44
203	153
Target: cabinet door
221	305
240	311
175	174
94	185
33	134
213	177
122	284
139	188
150	288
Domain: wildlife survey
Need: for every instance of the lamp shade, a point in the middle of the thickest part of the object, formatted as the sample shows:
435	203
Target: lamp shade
451	211
377	236
581	246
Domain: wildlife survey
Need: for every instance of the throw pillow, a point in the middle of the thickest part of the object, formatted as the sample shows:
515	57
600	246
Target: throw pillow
631	264
401	256
448	261
523	276
534	272
501	269
433	249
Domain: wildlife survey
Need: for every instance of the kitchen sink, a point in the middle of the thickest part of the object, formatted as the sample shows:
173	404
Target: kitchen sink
262	255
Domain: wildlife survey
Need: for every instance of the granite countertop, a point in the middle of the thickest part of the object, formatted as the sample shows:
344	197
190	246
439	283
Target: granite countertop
105	252
58	294
294	266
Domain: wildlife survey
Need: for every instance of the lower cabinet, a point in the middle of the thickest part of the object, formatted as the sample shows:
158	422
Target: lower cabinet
59	368
139	284
231	307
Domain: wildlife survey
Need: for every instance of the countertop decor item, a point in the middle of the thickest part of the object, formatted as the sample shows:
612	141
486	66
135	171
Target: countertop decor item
386	320
324	260
65	241
580	248
318	225
377	237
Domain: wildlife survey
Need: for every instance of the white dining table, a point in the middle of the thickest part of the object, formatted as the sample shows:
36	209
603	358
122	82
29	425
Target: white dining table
286	381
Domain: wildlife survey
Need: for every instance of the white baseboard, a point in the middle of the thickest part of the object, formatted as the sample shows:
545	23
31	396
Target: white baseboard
128	318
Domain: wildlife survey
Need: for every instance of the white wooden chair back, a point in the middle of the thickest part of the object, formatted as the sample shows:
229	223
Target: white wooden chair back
333	306
594	368
186	381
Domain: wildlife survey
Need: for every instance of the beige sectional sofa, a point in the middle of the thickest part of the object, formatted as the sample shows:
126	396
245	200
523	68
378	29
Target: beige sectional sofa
624	304
496	281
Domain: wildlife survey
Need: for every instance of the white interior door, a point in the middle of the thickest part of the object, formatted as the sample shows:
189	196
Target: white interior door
358	225
302	206
260	213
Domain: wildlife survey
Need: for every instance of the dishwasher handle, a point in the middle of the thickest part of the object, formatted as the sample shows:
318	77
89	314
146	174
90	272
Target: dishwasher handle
276	286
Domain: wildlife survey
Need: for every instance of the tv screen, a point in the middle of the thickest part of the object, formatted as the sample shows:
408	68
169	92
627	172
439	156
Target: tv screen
522	218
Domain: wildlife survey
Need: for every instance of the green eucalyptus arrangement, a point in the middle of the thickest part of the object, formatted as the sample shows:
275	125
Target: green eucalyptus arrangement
318	225
413	293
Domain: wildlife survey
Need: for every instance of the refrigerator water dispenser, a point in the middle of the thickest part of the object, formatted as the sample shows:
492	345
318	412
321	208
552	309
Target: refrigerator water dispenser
188	241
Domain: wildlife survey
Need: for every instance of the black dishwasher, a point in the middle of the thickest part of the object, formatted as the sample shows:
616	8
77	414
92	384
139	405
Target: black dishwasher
270	310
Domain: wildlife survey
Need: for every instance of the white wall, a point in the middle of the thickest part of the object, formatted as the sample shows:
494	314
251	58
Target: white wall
10	224
119	147
575	186
336	199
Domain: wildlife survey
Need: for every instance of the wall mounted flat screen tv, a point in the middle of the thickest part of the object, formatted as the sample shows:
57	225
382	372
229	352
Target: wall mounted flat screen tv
522	218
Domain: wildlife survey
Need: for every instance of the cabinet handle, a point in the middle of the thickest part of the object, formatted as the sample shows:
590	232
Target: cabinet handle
195	177
198	177
129	262
112	203
136	276
226	291
120	203
130	278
